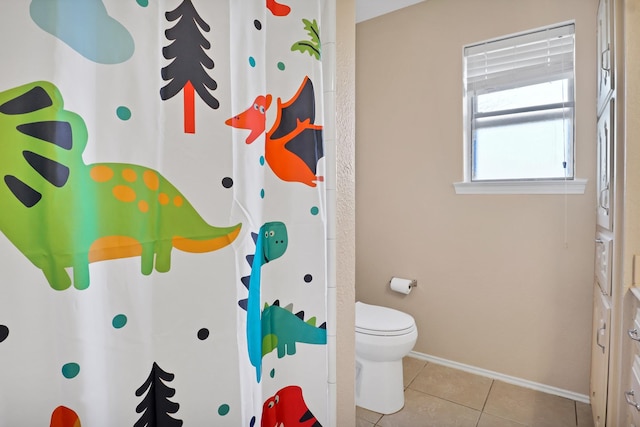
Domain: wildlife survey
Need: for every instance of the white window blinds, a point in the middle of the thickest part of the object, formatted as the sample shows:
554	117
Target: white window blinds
520	60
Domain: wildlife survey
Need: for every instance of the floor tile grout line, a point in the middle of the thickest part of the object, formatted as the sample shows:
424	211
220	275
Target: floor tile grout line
445	399
414	377
486	398
481	411
484	404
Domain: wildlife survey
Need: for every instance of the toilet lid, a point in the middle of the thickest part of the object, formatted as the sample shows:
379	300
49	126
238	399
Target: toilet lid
376	320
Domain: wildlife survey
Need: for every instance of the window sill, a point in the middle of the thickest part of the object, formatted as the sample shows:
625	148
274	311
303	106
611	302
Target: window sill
574	186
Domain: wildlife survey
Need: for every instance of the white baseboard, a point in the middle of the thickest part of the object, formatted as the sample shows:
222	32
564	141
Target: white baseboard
502	377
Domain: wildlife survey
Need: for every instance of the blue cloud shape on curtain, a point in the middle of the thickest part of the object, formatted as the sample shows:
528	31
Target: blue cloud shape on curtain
86	27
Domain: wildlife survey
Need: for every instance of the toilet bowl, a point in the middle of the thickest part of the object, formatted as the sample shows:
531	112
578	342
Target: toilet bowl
383	337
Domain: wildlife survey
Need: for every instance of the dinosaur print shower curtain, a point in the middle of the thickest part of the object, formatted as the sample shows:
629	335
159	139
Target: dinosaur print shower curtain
163	213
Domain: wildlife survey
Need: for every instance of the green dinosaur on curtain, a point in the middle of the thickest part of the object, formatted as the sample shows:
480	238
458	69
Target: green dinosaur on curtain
60	212
274	326
186	73
281	329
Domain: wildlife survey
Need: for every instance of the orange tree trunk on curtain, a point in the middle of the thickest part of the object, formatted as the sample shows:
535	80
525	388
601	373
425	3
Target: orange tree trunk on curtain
189	108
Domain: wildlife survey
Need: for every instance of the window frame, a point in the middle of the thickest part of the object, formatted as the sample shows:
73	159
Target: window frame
555	185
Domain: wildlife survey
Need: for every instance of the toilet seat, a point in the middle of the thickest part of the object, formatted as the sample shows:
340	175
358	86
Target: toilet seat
382	321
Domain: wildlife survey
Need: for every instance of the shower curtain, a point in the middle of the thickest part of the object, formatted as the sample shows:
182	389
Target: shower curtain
164	215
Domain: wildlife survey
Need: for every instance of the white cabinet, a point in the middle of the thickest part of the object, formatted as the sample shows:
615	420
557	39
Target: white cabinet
632	395
618	216
604	251
600	356
632	391
605	53
604	290
604	183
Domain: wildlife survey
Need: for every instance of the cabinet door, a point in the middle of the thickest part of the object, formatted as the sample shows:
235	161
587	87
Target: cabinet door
605	167
600	356
632	395
604	52
603	262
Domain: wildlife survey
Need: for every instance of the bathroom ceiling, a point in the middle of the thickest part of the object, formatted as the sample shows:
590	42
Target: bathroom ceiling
367	9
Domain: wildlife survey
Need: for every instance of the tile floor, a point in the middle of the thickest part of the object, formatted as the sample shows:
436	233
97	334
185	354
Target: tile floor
438	396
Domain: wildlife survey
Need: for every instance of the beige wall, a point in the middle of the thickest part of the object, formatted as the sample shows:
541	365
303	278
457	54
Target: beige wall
498	287
345	207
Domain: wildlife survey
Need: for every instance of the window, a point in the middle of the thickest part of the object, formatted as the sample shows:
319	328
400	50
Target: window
519	108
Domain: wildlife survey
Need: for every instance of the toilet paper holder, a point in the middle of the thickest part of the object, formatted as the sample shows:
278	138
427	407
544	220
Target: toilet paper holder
412	284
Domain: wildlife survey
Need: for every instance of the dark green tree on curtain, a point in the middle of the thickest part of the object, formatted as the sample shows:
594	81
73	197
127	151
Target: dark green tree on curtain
156	406
187	71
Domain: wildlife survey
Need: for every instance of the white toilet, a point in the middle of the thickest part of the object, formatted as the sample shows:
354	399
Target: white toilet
383	337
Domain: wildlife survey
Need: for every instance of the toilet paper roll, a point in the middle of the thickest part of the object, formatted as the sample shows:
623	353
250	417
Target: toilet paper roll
403	286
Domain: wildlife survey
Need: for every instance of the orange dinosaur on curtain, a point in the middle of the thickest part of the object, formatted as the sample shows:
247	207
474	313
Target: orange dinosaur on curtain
293	145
